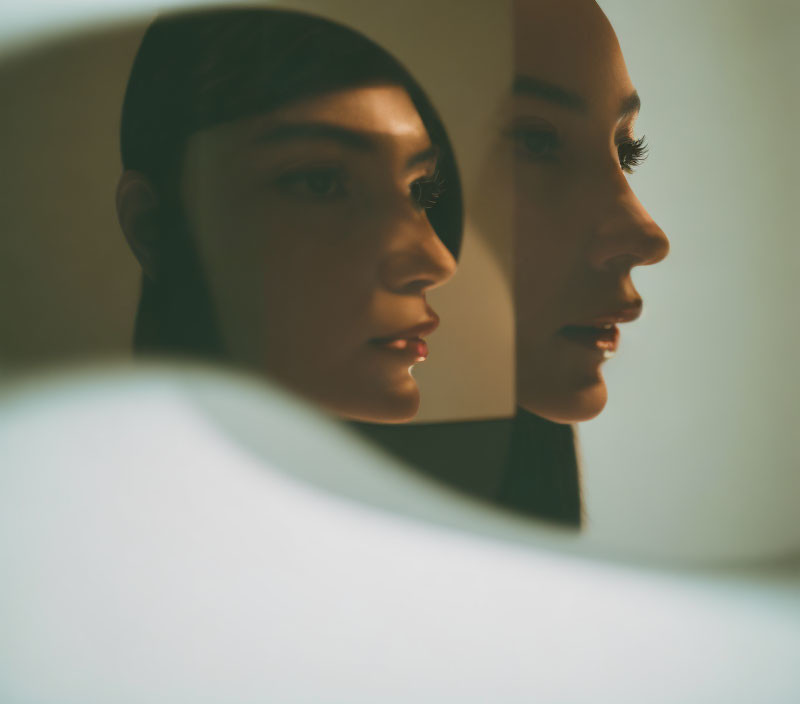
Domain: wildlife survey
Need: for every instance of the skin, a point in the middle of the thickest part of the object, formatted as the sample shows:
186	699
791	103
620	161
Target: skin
580	229
310	229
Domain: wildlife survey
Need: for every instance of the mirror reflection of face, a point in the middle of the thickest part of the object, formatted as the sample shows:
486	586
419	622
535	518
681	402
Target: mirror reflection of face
311	225
580	229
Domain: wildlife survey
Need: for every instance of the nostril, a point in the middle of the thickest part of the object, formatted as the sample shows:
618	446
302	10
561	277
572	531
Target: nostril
622	263
418	271
419	287
630	245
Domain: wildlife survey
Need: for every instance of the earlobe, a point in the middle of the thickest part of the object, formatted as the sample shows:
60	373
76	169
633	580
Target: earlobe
137	212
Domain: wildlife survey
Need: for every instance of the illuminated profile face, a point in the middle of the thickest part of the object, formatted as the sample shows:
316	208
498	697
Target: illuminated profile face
579	227
311	226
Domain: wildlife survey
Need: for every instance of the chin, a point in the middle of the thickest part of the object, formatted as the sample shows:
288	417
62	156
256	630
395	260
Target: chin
393	405
566	405
399	405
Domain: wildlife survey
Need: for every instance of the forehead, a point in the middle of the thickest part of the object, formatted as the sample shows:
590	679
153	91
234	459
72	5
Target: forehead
372	121
570	43
383	114
385	109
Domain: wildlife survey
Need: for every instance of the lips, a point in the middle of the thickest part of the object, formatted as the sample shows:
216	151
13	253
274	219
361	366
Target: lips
408	343
602	338
413	347
600	332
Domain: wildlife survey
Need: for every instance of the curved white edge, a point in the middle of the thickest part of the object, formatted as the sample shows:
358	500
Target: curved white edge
186	533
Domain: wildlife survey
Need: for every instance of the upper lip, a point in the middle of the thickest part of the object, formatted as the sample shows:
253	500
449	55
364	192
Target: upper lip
426	327
624	313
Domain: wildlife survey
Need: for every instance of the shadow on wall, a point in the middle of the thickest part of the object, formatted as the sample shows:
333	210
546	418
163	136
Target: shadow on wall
68	283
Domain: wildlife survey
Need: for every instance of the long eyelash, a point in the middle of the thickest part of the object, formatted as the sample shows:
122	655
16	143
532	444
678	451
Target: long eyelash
428	190
632	153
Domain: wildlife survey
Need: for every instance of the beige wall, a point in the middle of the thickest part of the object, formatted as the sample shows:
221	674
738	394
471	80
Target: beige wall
68	284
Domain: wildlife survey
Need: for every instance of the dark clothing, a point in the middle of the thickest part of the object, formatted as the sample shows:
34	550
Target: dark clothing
526	464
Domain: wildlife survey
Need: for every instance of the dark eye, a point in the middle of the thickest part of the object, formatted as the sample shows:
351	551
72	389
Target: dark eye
632	153
317	184
535	144
426	192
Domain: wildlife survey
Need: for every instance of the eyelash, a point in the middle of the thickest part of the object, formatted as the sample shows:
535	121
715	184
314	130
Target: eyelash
631	152
426	191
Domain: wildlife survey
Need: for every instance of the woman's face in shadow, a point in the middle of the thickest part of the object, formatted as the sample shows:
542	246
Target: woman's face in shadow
311	225
579	227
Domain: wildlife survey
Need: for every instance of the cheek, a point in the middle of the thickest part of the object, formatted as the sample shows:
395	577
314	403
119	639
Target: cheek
325	250
545	205
316	270
546	248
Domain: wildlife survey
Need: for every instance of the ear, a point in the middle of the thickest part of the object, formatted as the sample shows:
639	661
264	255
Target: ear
137	212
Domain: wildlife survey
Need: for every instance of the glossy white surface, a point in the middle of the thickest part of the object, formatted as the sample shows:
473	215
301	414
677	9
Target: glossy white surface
189	536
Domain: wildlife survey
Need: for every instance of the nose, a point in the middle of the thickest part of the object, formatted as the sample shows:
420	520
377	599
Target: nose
626	235
417	260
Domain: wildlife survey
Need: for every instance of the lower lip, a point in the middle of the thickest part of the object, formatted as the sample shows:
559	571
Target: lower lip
414	349
602	340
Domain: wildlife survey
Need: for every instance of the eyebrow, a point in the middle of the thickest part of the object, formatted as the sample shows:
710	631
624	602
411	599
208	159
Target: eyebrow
352	139
552	93
431	154
346	137
630	105
558	95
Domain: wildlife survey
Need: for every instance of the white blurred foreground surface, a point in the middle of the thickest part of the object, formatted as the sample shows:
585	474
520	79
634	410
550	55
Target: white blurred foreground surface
195	537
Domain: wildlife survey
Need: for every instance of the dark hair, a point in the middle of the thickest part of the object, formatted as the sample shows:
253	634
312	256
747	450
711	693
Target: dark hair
200	69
